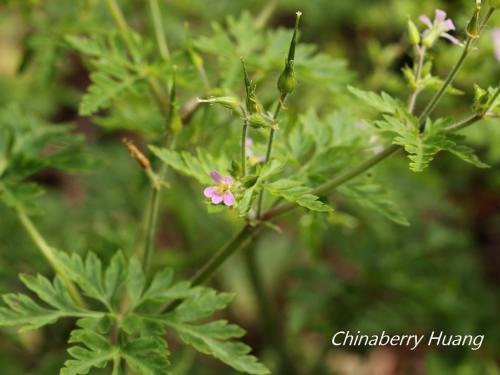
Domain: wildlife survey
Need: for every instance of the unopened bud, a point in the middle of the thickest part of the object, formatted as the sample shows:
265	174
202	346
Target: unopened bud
226	101
473	27
286	81
413	33
137	154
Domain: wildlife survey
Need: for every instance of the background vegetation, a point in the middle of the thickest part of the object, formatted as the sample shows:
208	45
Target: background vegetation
354	270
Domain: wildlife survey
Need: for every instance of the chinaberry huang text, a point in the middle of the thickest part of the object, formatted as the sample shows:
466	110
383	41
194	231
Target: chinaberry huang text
435	338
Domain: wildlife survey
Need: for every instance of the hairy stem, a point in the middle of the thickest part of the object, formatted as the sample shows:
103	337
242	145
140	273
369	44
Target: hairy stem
451	76
47	251
269	150
418	74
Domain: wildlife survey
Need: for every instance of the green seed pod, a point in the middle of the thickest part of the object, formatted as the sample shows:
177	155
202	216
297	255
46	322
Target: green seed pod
473	27
287	81
413	33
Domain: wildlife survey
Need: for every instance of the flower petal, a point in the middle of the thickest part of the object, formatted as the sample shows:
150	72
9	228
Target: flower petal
216	199
229	199
209	191
215	176
426	21
450	25
440	15
228	180
451	38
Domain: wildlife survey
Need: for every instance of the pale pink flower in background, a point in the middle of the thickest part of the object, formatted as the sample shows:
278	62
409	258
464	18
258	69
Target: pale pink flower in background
495	34
438	28
221	193
252	158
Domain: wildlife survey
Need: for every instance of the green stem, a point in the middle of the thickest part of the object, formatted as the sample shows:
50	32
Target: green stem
219	258
159	31
462	124
268	313
269	150
151	225
418	74
244	133
337	181
48	252
451	76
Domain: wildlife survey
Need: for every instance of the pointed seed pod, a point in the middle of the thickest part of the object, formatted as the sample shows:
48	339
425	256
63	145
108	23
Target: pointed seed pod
287	81
473	27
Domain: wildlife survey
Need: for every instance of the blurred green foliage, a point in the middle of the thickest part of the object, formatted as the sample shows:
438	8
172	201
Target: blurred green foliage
353	270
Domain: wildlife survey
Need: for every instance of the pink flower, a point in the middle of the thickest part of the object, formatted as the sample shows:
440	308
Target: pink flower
438	29
222	191
495	34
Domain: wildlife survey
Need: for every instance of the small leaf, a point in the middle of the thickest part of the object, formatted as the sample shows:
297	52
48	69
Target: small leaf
95	351
295	192
383	103
147	355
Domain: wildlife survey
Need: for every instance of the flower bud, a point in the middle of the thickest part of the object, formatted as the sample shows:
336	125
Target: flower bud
413	33
226	101
473	27
286	81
